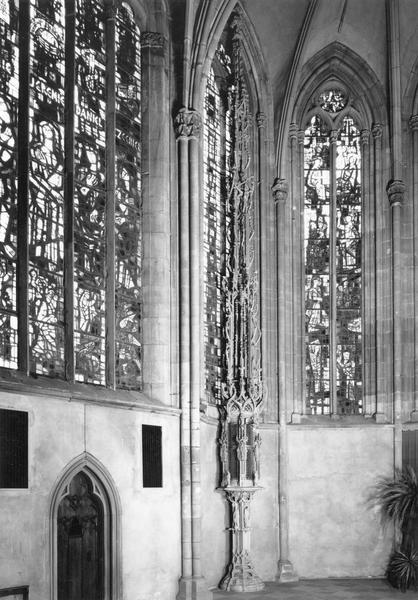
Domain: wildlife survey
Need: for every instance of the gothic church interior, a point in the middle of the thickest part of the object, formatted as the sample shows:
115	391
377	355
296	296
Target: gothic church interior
209	291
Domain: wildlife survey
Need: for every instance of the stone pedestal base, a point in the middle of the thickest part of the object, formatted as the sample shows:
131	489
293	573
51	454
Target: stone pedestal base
286	572
380	417
241	576
193	588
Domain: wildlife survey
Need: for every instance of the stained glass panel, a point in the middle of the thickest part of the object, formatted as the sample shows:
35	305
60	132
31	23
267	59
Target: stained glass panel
317	257
46	260
9	90
128	201
348	269
333	101
89	196
217	152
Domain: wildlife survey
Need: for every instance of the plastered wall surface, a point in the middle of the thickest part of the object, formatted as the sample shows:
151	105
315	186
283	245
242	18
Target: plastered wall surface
334	529
59	431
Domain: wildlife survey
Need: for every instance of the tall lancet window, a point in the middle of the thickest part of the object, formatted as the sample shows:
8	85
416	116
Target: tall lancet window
333	260
70	202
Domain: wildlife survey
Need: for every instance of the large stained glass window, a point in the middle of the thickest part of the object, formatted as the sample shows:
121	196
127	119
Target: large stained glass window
332	217
70	201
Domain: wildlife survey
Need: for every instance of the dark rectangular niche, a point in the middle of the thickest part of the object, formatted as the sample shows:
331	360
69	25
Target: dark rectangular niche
152	466
13	449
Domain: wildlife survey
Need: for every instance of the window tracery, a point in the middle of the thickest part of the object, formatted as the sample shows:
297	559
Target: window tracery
68	165
333	259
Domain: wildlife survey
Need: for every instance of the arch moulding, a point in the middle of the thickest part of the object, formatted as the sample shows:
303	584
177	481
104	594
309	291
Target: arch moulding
95	469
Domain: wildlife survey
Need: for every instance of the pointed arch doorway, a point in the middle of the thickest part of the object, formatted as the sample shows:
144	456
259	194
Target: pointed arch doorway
85	544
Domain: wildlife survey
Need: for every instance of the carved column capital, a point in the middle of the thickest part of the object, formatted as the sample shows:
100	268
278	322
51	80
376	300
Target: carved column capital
364	137
260	119
280	189
152	39
301	136
293	131
377	131
187	123
413	122
396	191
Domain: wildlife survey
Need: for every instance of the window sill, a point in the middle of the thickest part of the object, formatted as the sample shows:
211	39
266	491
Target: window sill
336	421
18	383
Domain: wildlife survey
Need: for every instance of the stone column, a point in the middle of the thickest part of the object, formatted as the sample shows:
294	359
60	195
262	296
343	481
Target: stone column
192	585
155	176
285	568
413	124
380	274
297	251
396	191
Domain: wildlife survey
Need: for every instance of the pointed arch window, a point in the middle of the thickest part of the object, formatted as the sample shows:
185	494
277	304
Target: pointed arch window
333	257
70	207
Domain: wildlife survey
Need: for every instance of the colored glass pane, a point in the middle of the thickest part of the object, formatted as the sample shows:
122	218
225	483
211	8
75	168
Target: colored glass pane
348	268
9	90
333	101
128	201
89	193
46	146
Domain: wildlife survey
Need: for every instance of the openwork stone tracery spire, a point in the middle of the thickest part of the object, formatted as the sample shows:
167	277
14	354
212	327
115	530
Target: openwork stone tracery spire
241	387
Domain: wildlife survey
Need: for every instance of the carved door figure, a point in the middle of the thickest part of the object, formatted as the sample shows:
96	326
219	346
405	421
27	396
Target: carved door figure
80	542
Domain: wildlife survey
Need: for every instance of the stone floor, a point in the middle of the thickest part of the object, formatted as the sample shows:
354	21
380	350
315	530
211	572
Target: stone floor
322	589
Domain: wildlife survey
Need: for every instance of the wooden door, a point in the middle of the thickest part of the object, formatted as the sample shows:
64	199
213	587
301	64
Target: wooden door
80	542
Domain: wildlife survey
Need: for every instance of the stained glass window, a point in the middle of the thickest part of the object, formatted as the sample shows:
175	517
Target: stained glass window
218	133
84	69
333	292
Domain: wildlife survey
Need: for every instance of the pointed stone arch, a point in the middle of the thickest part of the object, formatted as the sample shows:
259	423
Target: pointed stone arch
337	62
104	487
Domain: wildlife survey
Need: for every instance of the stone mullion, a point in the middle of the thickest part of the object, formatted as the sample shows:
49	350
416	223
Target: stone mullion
333	277
368	282
413	123
110	195
23	188
70	35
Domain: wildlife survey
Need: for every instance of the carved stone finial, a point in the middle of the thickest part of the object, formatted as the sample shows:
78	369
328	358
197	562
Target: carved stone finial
280	190
396	191
364	136
151	39
187	123
413	122
377	130
261	120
